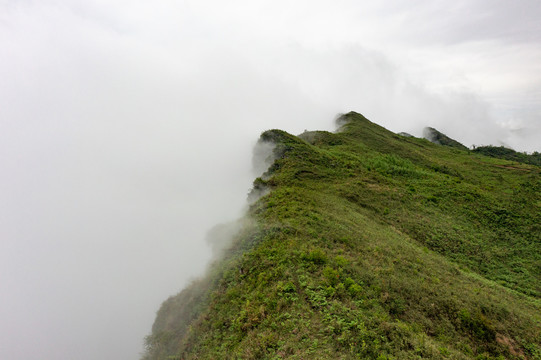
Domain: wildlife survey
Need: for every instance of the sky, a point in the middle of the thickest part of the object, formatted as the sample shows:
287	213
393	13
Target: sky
127	129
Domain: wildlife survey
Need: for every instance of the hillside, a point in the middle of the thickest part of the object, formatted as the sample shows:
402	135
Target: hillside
371	245
509	154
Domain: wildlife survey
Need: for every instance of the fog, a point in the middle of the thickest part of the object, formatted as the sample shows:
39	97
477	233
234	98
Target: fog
127	128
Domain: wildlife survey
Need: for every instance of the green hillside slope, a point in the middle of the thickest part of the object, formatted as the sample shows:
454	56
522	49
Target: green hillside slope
371	245
509	154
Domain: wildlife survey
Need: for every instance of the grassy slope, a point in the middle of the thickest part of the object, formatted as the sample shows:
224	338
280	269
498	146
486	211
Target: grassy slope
372	245
509	154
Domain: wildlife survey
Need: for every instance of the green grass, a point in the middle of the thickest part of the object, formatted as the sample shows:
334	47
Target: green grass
371	245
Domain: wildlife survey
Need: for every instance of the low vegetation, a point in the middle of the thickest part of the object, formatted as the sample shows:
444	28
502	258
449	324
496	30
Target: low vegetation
371	245
509	154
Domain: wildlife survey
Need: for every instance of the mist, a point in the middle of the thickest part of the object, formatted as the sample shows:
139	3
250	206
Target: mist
127	129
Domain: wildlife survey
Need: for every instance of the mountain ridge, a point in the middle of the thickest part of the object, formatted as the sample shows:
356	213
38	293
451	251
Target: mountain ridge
368	244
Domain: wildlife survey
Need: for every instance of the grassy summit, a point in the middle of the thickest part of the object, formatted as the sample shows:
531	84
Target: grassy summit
371	245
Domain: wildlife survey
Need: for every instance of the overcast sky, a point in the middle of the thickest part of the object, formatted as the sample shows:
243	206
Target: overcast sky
126	131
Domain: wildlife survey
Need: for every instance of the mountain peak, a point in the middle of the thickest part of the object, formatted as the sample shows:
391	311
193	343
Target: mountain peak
440	138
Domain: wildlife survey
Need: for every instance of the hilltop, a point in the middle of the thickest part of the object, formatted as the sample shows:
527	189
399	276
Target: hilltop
370	245
440	138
